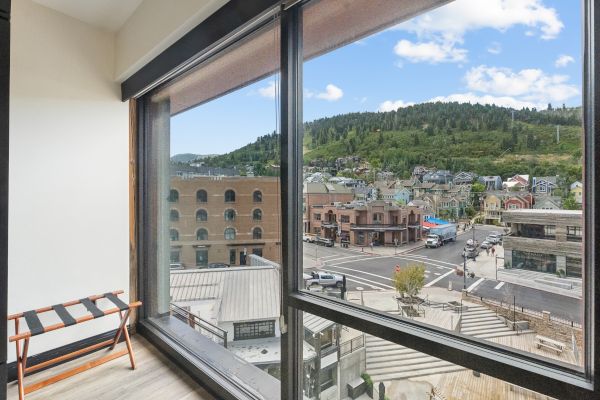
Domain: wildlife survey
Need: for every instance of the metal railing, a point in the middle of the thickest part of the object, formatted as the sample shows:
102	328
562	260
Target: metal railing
351	346
511	306
203	326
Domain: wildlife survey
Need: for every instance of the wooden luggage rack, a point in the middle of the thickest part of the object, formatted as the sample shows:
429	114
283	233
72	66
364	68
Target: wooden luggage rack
36	328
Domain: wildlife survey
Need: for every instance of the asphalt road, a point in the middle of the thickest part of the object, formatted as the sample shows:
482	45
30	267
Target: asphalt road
364	271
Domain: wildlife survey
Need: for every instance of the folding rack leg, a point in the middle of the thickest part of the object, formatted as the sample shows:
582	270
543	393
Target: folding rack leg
20	366
123	330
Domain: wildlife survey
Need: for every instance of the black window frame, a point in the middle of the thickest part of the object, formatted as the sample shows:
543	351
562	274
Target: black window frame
173	215
257	233
257	212
255	326
173	196
257	198
513	367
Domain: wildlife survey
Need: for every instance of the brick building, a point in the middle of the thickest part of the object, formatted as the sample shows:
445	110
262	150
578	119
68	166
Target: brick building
223	219
378	221
318	194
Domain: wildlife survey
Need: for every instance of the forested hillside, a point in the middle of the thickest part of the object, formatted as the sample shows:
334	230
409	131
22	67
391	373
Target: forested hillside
482	139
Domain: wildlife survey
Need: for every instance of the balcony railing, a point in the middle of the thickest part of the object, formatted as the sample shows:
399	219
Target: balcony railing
378	226
209	330
351	346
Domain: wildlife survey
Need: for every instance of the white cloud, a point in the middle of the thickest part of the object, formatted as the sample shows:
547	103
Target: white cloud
309	94
431	52
530	84
502	101
331	93
390	105
268	91
563	60
494	48
442	30
452	21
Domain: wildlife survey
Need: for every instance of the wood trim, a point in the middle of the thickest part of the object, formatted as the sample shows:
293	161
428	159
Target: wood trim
133	183
68	356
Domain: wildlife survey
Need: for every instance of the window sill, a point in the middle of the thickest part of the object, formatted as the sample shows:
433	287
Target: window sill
215	367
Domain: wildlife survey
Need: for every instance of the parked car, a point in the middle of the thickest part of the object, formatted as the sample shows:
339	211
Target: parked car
323	279
486	245
218	265
494	239
308	237
324	241
175	266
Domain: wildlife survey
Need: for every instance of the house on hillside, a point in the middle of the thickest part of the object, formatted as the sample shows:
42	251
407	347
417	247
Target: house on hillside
517	182
402	195
492	208
545	202
544	185
441	176
576	189
464	177
519	201
491	182
419	172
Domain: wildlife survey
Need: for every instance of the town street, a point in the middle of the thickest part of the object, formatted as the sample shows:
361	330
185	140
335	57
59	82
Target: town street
371	271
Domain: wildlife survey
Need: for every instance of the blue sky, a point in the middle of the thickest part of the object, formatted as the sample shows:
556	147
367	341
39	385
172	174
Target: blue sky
507	52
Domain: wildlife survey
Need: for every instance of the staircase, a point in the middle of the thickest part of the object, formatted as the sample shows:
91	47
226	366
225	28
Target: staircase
389	361
483	323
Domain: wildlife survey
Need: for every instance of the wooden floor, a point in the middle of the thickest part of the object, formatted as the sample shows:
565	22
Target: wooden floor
154	378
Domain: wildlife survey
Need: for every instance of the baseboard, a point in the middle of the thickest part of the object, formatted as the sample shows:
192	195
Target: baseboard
60	351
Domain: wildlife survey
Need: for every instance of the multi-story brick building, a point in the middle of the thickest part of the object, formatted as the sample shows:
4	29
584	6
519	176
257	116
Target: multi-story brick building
319	194
223	219
380	222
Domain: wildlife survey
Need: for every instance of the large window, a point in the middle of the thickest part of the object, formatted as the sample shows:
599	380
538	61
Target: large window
391	113
200	124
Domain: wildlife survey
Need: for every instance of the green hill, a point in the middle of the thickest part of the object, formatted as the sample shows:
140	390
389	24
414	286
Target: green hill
478	138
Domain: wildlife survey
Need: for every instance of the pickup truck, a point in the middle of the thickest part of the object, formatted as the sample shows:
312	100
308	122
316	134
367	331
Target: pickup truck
323	279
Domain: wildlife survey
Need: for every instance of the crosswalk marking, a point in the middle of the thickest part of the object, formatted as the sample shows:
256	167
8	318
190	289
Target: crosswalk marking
498	286
439	278
362	272
473	286
366	280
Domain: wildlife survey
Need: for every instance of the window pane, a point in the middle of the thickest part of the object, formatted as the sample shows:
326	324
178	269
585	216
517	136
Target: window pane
205	186
341	362
443	172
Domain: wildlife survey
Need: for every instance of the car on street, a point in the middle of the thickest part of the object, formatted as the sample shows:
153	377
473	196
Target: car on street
323	279
494	239
308	237
176	266
321	241
486	245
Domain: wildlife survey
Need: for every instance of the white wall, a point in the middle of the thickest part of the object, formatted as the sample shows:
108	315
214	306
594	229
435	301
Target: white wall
154	26
68	213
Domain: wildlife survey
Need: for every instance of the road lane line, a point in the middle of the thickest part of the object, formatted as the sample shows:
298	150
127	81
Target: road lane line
343	258
364	283
439	278
437	273
363	272
429	263
498	286
366	259
365	279
434	260
473	286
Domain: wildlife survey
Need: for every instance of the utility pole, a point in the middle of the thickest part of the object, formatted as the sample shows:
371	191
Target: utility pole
512	122
557	134
464	270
